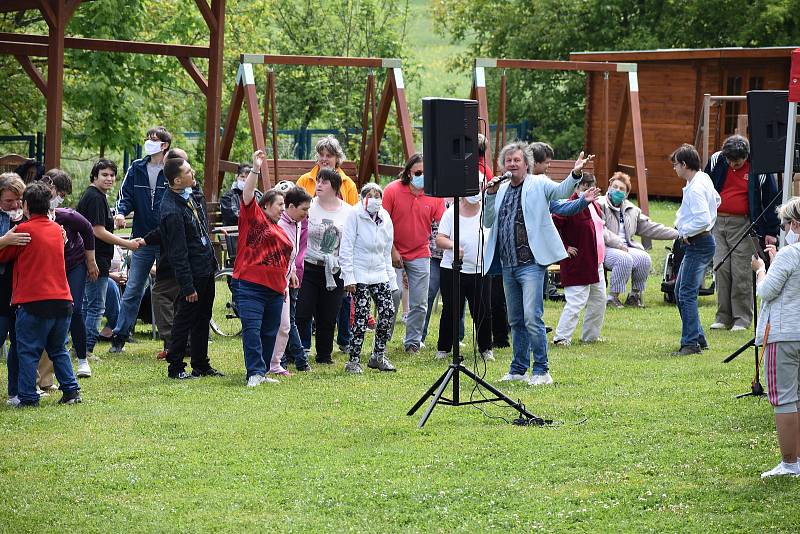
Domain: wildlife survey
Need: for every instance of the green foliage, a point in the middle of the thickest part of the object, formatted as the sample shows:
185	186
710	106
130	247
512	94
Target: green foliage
551	29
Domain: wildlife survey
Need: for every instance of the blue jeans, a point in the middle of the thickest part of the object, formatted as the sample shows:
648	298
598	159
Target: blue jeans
76	278
112	304
138	275
34	335
12	361
294	347
260	312
697	256
95	307
344	336
523	286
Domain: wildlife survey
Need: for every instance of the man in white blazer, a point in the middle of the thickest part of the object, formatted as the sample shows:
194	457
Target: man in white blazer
522	242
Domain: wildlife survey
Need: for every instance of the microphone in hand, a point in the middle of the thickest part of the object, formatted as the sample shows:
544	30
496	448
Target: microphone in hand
495	182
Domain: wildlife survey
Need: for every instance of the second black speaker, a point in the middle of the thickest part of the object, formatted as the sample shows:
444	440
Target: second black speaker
450	147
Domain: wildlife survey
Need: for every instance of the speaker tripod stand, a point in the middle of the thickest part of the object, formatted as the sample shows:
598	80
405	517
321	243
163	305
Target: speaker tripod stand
456	367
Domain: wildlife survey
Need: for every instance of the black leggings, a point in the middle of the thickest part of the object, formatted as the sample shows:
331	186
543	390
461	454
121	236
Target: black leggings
315	301
475	289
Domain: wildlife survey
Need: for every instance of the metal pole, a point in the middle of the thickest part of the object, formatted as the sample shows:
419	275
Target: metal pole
788	167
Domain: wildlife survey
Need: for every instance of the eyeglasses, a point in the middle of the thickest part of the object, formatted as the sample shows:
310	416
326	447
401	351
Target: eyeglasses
417	173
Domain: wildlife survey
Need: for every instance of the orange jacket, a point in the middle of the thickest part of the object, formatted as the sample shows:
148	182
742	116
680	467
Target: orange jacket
348	191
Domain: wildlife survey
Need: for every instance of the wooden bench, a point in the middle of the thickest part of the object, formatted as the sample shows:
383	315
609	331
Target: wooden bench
9	162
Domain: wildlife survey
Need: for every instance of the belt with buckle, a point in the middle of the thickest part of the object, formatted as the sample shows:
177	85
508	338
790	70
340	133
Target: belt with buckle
692	239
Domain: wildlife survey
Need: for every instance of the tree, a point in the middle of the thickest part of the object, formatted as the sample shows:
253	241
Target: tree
551	29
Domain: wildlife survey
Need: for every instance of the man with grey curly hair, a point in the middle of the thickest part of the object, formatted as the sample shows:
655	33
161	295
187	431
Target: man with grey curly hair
745	196
522	242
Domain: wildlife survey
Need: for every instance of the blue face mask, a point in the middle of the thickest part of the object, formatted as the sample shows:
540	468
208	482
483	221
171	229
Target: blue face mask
616	197
186	193
418	181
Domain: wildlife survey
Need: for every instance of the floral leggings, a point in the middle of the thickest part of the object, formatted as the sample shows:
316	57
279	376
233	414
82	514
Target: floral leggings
382	295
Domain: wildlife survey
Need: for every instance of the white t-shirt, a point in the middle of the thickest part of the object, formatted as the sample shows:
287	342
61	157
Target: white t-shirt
325	230
469	238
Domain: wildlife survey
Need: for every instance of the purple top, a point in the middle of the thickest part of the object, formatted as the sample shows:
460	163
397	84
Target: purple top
80	236
289	226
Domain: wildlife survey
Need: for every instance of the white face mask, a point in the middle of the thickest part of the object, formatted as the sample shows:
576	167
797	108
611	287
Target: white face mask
152	147
474	199
56	202
14	215
240	185
374	205
791	237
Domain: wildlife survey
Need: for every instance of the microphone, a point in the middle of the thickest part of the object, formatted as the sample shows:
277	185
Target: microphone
497	180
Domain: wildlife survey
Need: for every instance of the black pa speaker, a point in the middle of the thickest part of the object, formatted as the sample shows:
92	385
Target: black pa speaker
450	147
767	112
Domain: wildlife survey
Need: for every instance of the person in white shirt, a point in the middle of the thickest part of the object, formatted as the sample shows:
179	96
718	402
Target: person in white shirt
695	219
365	257
474	288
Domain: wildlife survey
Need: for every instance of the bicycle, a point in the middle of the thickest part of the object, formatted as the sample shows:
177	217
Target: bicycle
225	316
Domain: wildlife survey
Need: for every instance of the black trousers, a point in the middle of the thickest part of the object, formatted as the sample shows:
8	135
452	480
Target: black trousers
315	301
475	290
500	328
191	321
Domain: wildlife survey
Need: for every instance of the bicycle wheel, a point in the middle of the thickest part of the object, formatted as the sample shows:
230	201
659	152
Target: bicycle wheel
224	318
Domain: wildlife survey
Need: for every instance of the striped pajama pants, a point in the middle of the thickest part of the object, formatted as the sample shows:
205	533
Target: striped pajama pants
633	264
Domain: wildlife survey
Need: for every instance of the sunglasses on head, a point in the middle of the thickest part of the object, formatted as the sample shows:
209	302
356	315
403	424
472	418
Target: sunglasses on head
417	173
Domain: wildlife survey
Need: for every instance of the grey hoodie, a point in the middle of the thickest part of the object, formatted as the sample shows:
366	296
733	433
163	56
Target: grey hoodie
780	298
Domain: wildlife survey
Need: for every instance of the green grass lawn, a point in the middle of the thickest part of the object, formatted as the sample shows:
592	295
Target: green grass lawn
643	441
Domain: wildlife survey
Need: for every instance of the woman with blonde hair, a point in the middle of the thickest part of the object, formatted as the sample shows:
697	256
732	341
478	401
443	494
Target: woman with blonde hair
779	332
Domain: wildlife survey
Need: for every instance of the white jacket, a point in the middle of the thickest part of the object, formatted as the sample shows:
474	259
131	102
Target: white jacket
365	253
780	298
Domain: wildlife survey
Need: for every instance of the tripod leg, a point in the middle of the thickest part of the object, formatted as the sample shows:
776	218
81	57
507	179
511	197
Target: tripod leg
445	380
499	394
428	393
740	350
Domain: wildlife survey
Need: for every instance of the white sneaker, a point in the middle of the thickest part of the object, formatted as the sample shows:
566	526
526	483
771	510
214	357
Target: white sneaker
562	342
421	345
257	380
442	354
540	380
782	469
488	355
13	401
718	326
510	377
84	371
42	393
738	328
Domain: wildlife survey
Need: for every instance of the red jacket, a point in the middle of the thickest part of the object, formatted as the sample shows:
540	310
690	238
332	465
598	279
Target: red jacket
578	231
39	272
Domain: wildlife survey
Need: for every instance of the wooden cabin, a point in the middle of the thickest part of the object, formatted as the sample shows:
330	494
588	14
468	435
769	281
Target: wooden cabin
671	88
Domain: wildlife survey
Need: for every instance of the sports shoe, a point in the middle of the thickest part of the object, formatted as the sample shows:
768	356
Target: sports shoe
488	355
207	372
117	343
738	328
421	345
257	380
306	369
634	299
42	393
282	372
782	469
510	377
442	354
70	397
344	348
562	342
13	401
412	349
687	350
182	375
84	371
718	326
614	302
540	380
381	364
162	355
353	367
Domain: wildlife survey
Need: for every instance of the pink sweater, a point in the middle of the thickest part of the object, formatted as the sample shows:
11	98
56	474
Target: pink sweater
291	228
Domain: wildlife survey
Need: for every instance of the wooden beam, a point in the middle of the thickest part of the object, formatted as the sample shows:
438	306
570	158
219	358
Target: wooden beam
55	88
110	45
706	126
366	165
479	93
638	143
321	61
209	17
50	16
538	64
229	133
35	74
70	8
619	132
22	49
214	52
401	107
195	73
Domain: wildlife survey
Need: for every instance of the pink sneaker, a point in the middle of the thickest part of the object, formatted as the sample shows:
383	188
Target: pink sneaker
282	372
